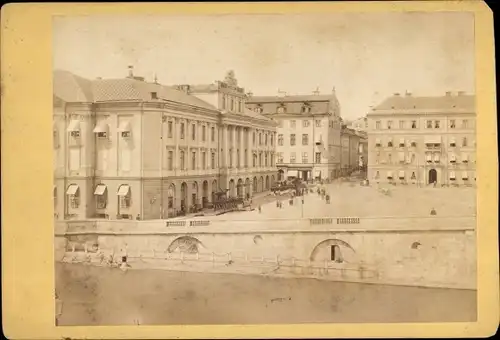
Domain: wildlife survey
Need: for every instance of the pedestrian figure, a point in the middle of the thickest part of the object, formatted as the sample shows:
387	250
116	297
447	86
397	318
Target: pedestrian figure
327	199
291	201
260	209
59	308
435	182
277	203
433	212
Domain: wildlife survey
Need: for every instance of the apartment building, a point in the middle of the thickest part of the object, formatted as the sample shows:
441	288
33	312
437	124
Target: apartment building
423	140
308	133
128	148
352	144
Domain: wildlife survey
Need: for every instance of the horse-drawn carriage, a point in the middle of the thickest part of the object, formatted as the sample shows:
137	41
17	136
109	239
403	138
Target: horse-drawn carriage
224	203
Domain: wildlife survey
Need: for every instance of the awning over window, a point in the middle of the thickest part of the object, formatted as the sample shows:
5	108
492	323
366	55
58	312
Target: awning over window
401	174
428	157
101	127
402	141
465	157
72	190
436	157
74	125
389	174
452	174
432	140
317	173
452	140
124	126
465	175
401	156
377	141
453	158
123	190
100	189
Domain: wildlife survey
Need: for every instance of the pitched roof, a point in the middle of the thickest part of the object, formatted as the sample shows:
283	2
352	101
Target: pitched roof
460	101
288	99
72	88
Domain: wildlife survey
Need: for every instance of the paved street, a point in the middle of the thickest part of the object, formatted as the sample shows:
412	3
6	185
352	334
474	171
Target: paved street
106	296
353	200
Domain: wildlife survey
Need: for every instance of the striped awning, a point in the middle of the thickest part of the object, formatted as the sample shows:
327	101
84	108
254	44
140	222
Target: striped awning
123	190
100	189
72	190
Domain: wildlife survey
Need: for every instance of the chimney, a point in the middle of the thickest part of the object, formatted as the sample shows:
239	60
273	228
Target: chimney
396	94
130	71
448	93
316	92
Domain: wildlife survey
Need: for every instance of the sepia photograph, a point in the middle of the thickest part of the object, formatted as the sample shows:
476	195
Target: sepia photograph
264	168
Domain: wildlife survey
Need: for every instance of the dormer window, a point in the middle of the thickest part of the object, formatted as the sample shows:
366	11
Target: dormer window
306	108
259	109
154	95
281	109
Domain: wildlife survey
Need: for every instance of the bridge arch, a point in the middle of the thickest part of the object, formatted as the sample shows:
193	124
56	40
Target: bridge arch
185	244
333	250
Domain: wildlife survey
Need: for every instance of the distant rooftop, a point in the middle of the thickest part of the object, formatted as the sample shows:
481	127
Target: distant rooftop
459	100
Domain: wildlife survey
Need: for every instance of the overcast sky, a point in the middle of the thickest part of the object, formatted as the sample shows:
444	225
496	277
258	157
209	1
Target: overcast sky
367	57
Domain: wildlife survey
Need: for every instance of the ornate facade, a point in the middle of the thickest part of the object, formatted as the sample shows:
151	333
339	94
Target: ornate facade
127	148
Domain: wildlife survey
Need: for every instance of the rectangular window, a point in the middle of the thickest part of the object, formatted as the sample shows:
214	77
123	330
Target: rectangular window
292	139
413	124
272	141
238	158
170	129
193	160
452	123
402	124
318	123
170	165
292	124
253	138
280	139
429	124
378	125
280	123
317	158
465	124
254	162
213	160
203	133
101	201
292	157
213	134
193	132
304	158
464	141
203	160
245	160
183	161
305	123
305	139
230	159
182	131
280	157
437	124
125	159
389	124
265	139
74	159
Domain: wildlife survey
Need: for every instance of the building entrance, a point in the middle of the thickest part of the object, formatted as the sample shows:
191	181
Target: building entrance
432	176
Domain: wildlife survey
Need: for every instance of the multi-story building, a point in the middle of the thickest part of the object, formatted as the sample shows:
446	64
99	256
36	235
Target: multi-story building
351	142
363	150
423	140
308	133
127	148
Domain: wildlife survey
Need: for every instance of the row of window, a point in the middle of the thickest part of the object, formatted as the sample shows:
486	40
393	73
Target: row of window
73	192
305	139
429	124
402	175
429	158
232	104
258	160
402	143
281	109
305	157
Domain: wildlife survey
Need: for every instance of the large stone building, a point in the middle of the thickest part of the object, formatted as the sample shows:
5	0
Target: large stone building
308	142
423	140
128	148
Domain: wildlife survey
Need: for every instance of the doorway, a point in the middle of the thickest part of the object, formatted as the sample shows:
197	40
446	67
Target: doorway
304	176
335	254
432	176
